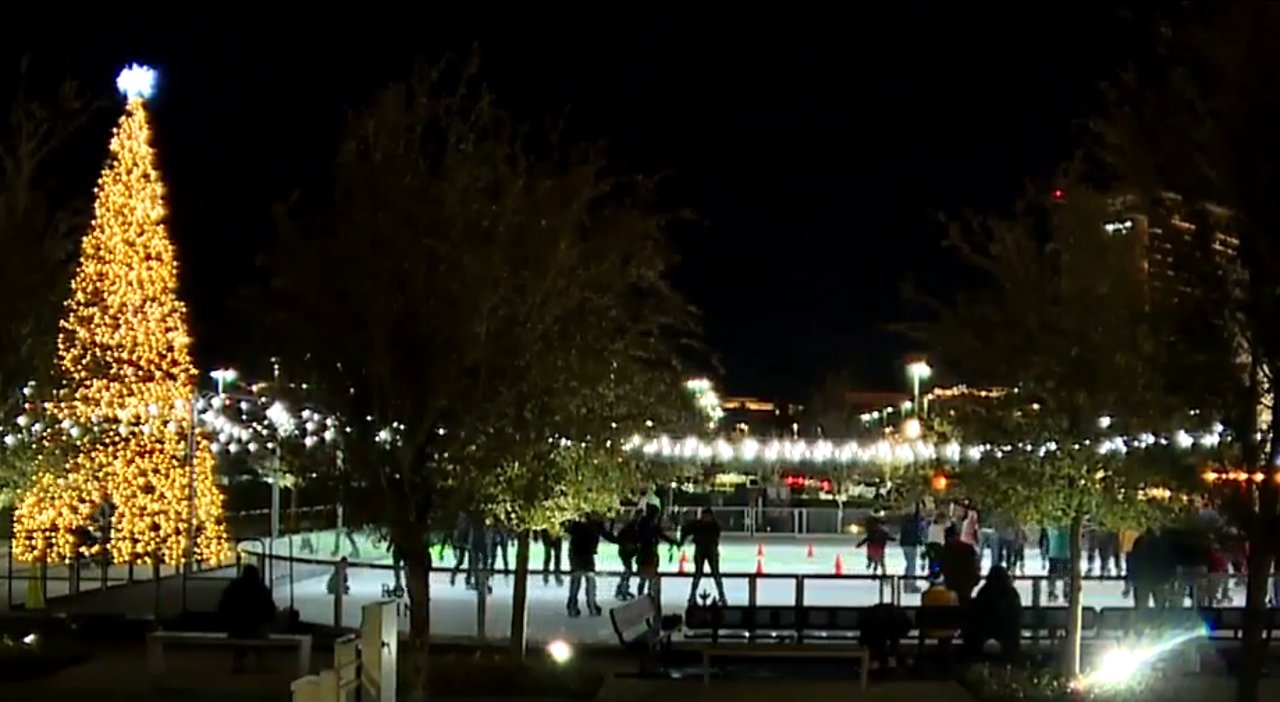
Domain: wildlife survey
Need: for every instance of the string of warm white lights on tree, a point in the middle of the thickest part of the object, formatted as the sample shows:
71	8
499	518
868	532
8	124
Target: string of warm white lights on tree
125	371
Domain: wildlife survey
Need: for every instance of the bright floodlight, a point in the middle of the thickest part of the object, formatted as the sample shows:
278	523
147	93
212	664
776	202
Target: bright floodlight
1118	666
919	370
136	81
560	651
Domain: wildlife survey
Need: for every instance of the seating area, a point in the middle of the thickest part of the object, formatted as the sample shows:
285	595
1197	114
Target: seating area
158	640
745	623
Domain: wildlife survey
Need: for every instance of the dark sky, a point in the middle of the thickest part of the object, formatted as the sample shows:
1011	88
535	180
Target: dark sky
816	151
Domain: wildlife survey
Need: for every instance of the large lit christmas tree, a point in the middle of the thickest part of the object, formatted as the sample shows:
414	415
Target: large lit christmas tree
125	448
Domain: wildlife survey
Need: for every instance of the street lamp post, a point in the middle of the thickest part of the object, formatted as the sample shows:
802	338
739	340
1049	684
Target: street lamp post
918	370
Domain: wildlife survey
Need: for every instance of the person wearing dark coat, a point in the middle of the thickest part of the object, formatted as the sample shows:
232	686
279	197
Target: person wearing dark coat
705	534
247	610
1153	568
959	567
584	541
628	545
649	534
911	538
552	547
995	614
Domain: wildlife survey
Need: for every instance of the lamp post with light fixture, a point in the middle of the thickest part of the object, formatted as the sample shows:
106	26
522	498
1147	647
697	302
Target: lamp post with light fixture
918	371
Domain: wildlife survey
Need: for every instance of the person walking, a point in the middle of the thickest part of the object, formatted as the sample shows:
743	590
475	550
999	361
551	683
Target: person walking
910	538
584	541
705	534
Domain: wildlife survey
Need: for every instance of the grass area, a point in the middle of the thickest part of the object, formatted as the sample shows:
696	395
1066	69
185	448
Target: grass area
488	674
996	683
35	654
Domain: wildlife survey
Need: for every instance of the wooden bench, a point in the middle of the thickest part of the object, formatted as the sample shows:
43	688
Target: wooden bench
157	640
763	649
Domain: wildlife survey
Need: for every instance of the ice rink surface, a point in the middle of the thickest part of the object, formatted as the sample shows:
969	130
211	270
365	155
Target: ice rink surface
788	571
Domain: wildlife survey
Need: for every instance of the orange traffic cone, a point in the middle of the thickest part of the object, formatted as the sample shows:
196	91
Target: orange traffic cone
810	554
759	550
684	562
839	565
759	565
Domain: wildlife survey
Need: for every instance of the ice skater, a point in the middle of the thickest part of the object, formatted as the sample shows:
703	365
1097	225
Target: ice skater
498	543
705	533
552	544
584	541
628	546
876	540
649	534
479	548
459	543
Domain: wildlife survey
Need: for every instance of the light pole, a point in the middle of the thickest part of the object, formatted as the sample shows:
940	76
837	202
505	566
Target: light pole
918	370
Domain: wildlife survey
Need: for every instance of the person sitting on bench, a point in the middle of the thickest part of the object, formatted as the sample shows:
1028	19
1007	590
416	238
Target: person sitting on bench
248	610
995	614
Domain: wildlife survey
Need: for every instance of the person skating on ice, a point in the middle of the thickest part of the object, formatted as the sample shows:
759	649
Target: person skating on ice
628	546
705	534
584	541
649	534
910	537
876	540
552	546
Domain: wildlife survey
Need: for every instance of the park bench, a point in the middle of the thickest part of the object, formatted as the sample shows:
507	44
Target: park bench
157	640
639	628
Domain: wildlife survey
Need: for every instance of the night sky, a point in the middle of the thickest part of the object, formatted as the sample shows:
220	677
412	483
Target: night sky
817	152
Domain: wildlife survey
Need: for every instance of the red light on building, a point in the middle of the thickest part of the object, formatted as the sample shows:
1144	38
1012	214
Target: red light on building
1057	194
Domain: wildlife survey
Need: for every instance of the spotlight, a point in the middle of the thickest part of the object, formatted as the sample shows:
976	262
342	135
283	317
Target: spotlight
560	651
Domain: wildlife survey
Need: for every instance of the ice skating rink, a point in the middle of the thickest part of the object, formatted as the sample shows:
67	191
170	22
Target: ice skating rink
789	572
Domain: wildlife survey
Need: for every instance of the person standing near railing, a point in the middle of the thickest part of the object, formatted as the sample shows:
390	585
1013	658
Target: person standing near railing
959	567
910	538
705	534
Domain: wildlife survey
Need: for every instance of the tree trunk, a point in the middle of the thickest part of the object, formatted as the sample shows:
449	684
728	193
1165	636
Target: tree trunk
1254	646
1075	601
1259	523
417	565
293	509
520	599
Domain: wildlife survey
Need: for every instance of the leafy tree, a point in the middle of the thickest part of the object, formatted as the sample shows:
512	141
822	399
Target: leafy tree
41	218
485	304
1065	321
1196	117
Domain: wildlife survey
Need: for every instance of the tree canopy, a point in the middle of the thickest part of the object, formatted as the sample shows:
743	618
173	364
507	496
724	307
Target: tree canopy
486	303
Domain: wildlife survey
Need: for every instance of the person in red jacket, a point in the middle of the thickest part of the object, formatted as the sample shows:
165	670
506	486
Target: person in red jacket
876	540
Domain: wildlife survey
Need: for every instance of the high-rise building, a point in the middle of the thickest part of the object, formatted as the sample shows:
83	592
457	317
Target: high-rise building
1177	239
1190	257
